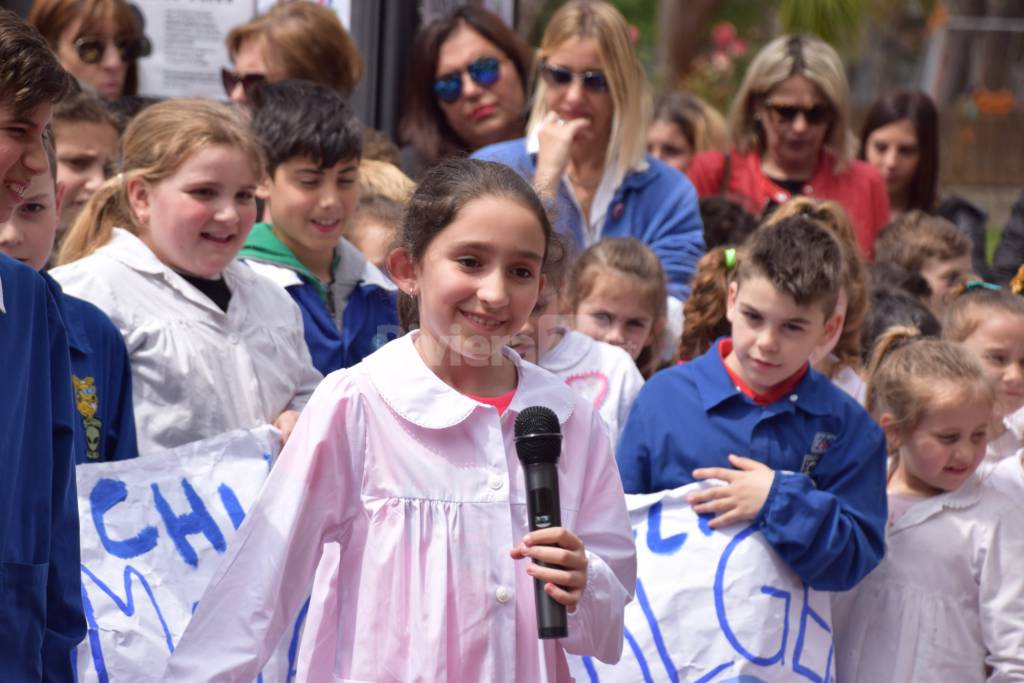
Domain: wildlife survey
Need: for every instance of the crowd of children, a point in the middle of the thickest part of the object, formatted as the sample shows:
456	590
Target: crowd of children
194	269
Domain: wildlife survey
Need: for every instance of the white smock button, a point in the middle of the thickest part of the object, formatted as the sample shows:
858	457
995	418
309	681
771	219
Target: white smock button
503	594
496	481
794	398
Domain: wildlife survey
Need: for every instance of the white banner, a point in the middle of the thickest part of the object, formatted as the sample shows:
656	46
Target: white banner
153	531
713	606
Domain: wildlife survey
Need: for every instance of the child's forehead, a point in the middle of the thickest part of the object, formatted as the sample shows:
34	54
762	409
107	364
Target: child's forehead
758	292
36	117
302	162
41	185
84	130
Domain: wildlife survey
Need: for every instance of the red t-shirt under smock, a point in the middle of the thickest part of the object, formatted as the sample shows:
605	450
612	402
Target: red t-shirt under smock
858	188
774	393
500	402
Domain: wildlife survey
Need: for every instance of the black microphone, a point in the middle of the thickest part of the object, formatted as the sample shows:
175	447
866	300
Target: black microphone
538	445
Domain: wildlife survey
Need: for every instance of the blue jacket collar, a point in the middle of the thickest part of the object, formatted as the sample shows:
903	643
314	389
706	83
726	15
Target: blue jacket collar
78	340
812	394
413	391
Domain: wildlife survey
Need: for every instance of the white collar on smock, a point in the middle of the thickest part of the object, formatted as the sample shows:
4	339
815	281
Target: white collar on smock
413	391
964	497
132	252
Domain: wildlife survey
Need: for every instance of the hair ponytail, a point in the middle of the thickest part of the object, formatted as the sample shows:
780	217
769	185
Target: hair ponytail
106	209
705	309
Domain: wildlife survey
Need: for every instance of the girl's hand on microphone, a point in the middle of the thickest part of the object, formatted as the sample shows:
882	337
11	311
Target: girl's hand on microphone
557	546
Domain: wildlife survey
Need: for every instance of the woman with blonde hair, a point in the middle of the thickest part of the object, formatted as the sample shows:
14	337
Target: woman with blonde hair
97	41
293	40
790	132
585	144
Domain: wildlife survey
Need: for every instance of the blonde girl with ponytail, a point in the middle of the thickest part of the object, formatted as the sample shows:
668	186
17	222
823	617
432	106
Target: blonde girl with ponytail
947	602
213	346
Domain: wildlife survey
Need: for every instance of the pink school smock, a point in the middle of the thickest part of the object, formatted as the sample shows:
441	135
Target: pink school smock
421	488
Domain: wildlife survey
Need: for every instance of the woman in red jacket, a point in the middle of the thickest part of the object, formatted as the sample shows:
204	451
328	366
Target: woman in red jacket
789	125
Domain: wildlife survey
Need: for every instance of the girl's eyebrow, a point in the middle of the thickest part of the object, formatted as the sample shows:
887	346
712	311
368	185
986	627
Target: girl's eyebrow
488	248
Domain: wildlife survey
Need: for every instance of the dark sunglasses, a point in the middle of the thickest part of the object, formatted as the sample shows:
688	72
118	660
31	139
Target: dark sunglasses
560	77
90	49
484	72
250	82
814	116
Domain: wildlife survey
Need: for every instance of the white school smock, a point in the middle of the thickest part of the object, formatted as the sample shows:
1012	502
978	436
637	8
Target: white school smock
197	371
1006	476
422	489
1010	441
603	374
946	602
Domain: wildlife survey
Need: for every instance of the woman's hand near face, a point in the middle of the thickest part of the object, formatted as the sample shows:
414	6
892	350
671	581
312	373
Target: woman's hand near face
556	136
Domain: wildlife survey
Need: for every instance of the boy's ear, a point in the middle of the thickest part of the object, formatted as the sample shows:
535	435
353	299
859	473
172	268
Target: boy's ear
138	198
833	326
402	269
263	189
730	300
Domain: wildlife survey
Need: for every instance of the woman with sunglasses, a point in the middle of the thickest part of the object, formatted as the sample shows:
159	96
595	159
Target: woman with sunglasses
293	40
789	124
466	88
97	41
585	147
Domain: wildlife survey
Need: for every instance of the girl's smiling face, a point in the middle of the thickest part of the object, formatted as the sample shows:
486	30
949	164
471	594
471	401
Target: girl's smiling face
611	312
946	446
476	282
998	342
197	219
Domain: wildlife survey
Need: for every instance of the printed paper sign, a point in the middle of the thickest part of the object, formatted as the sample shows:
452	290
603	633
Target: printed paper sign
713	606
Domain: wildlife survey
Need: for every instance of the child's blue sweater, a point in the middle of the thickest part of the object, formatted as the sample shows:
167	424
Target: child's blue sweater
826	511
343	322
41	616
101	378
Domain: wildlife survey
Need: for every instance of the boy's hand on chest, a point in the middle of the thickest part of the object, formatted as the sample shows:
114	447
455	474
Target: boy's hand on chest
741	498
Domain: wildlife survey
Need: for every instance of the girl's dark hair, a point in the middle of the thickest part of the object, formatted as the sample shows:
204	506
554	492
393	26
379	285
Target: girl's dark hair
895	308
444	191
919	109
423	123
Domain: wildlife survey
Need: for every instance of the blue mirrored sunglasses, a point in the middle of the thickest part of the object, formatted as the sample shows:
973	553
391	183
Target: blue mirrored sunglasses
560	77
484	71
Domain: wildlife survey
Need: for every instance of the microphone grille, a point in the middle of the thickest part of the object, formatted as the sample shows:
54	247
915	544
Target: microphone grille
537	420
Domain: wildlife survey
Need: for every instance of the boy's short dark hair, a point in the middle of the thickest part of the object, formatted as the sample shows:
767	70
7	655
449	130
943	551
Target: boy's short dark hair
304	119
30	74
726	223
799	257
916	236
83	106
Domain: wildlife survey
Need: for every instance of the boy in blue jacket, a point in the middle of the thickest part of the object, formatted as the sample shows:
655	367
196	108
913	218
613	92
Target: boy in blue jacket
313	144
800	459
41	618
101	376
